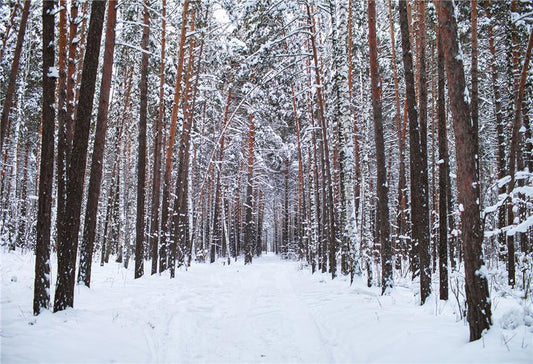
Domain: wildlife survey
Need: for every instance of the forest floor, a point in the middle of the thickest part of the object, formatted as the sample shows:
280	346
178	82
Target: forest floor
270	311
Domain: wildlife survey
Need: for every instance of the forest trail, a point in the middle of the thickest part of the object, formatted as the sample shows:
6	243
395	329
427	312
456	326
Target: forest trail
270	311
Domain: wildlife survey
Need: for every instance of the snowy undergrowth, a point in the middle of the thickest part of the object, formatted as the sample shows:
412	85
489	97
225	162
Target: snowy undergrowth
270	311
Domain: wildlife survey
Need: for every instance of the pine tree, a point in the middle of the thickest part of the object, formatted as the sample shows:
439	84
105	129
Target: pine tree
477	293
95	179
68	238
41	295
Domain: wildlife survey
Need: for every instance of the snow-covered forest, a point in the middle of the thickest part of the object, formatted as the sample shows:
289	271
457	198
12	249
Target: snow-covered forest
266	181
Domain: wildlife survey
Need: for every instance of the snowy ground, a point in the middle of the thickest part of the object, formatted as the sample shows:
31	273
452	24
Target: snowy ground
271	311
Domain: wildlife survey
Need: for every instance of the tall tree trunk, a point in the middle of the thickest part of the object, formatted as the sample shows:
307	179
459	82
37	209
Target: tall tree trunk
520	81
326	159
141	161
419	218
74	65
249	235
402	198
382	215
62	116
477	293
68	238
41	293
182	196
475	82
356	171
216	234
156	177
66	109
12	80
165	209
79	59
444	171
500	125
424	223
95	179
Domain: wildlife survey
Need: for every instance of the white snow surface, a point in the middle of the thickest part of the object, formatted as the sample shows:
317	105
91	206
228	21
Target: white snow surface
270	311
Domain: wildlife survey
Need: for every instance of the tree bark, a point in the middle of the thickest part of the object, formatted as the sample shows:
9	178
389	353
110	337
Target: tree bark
444	171
520	81
477	293
95	179
402	196
500	125
382	214
41	293
68	238
325	153
419	221
249	235
156	178
181	202
141	161
165	221
424	223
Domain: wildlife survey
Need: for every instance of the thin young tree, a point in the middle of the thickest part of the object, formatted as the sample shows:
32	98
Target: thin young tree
520	82
249	233
444	169
382	213
423	224
402	193
326	175
500	124
141	161
41	293
156	175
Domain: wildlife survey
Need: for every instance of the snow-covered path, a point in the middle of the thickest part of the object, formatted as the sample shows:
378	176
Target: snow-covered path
270	311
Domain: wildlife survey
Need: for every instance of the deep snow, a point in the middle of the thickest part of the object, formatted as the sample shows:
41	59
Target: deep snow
270	311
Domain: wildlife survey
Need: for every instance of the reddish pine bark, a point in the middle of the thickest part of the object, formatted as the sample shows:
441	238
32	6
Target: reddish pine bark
181	222
165	223
477	293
